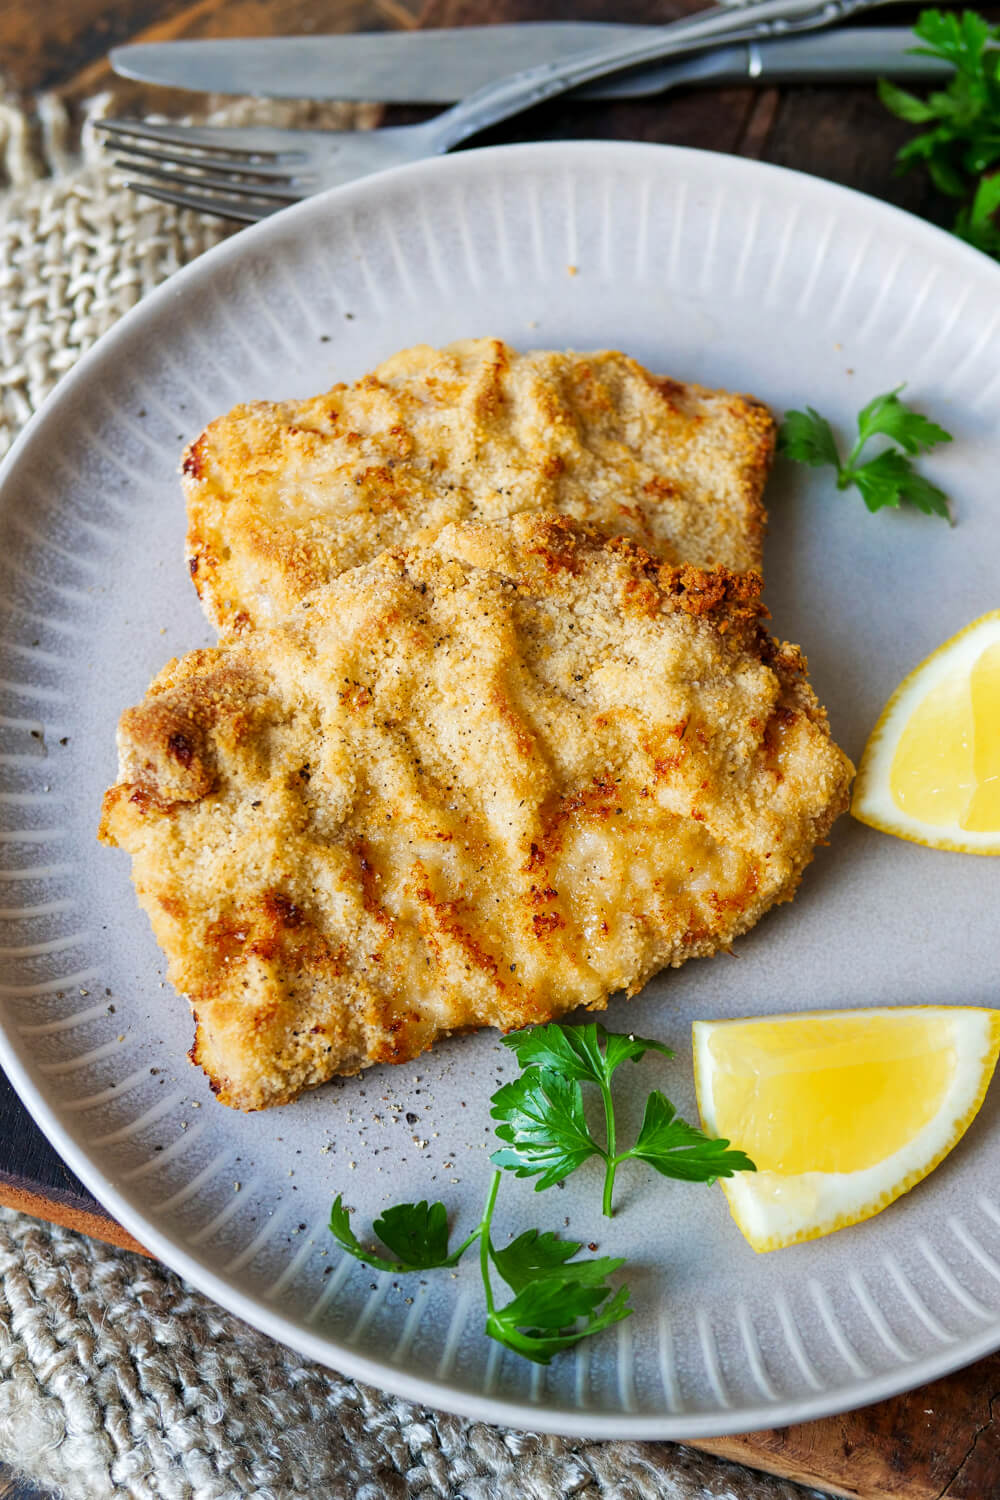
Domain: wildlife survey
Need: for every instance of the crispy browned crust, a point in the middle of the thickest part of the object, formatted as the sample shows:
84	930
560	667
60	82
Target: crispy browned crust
282	497
479	783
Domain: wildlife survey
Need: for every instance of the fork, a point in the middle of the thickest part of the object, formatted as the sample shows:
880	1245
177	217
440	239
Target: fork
248	173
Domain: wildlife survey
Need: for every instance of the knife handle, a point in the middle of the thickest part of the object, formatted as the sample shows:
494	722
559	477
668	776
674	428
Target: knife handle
719	25
845	56
857	55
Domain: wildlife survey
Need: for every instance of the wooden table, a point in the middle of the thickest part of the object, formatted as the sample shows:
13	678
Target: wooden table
939	1443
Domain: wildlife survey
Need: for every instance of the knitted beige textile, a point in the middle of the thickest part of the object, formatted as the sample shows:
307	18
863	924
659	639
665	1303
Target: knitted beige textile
116	1379
77	250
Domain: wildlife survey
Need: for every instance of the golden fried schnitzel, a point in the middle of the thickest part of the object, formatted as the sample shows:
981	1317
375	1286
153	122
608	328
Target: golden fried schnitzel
282	497
478	783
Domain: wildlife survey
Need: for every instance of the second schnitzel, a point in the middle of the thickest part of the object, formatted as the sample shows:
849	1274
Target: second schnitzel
284	496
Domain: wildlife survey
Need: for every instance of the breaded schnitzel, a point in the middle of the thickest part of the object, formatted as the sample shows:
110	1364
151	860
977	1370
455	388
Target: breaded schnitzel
282	497
479	783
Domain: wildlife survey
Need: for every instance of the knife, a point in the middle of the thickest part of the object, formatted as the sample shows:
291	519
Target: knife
438	67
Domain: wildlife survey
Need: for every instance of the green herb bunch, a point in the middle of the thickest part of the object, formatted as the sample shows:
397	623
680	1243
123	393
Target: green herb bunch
557	1299
961	146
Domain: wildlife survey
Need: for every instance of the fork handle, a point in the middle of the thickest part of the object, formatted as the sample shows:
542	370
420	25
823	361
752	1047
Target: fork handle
720	25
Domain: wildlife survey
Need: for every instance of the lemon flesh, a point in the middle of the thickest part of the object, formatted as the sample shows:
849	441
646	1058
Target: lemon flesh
834	1098
841	1111
983	812
931	769
947	765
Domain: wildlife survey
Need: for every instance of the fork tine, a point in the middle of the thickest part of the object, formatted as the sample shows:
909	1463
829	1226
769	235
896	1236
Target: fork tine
181	178
230	140
208	163
221	208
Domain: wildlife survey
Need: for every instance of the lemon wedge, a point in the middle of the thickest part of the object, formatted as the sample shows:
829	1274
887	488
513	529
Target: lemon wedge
842	1111
931	769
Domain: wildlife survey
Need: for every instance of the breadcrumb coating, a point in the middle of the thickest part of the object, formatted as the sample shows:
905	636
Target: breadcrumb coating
479	782
284	496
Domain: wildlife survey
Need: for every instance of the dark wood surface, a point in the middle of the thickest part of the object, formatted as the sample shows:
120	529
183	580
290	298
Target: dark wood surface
35	1179
938	1443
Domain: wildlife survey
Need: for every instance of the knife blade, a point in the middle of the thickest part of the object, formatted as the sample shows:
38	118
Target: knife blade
438	67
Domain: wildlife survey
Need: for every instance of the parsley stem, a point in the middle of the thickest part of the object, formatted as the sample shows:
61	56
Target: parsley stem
484	1242
610	1161
456	1255
847	468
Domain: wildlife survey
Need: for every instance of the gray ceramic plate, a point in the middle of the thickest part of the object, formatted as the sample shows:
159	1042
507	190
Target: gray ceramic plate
707	267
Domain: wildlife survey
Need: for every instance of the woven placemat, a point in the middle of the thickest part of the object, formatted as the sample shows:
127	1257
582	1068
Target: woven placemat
117	1379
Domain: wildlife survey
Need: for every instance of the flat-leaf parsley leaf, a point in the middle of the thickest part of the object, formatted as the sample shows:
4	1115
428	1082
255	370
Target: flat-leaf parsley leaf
677	1149
417	1232
543	1126
543	1318
535	1256
581	1052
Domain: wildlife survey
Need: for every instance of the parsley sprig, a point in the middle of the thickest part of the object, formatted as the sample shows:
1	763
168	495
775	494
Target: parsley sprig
557	1299
889	477
545	1129
962	141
